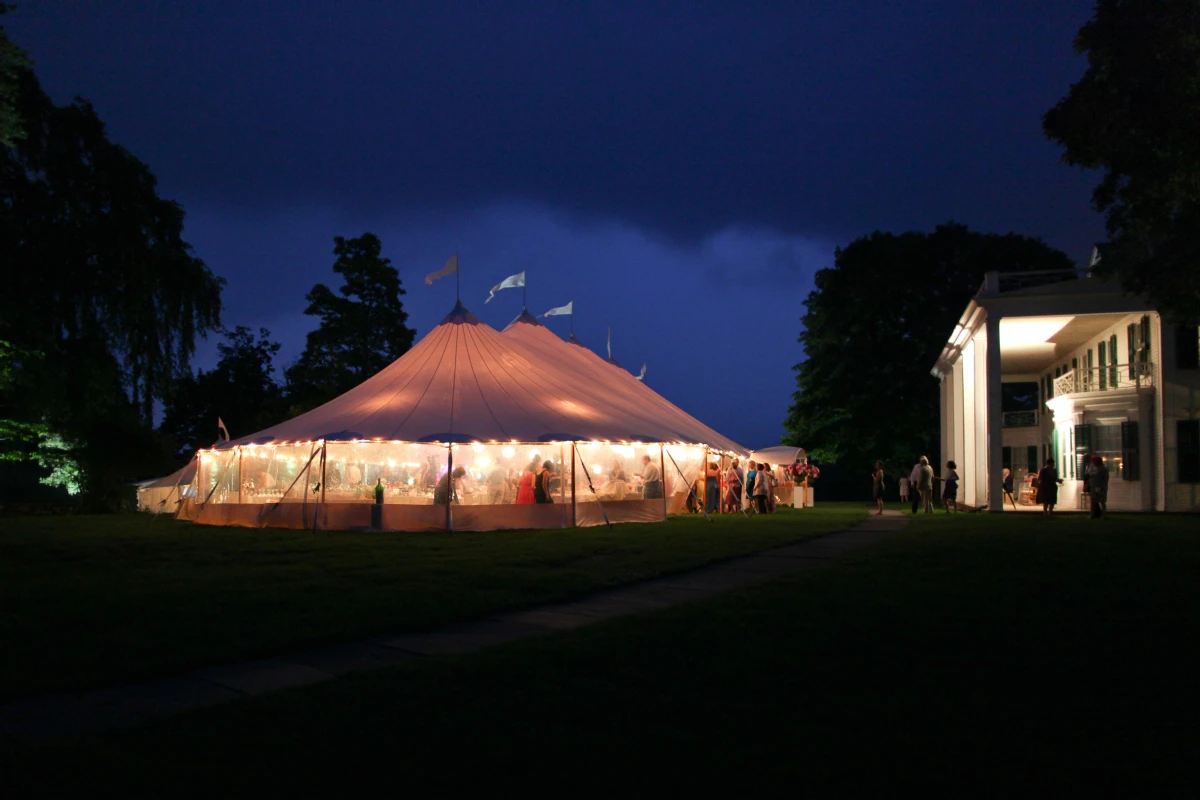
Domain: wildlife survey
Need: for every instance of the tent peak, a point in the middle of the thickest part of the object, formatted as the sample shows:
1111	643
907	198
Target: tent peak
525	317
461	315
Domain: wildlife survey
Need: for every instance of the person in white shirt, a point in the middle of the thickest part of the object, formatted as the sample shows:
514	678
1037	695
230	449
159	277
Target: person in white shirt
651	479
903	489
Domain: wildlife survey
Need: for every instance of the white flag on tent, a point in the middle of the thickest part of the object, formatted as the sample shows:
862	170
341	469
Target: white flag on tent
561	310
610	343
222	428
1095	256
450	268
511	282
641	375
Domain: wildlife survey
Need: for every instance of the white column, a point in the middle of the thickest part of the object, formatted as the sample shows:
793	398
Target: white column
970	420
995	418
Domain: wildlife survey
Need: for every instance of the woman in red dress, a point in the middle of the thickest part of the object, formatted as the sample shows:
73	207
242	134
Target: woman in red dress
525	487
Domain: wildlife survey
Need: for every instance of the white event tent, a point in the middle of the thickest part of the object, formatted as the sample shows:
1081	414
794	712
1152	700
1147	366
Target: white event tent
464	396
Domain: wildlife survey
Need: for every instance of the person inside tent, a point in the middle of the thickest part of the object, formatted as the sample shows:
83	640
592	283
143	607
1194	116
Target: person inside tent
443	487
651	479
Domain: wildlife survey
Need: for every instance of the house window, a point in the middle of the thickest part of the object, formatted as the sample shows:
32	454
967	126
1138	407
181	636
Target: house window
1116	444
1006	457
1031	460
1187	441
1112	359
1187	347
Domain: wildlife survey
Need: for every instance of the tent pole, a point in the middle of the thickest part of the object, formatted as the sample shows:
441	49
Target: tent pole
706	501
449	486
562	485
302	473
321	499
240	478
662	476
574	509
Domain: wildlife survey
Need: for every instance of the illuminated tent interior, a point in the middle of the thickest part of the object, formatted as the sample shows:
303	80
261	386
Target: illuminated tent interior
465	396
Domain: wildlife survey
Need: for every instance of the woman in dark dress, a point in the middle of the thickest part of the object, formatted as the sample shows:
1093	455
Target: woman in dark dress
950	493
541	490
1048	487
877	477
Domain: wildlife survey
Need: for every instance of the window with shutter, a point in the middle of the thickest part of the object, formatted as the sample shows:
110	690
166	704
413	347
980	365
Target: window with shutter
1187	347
1187	441
1130	455
1102	354
1083	446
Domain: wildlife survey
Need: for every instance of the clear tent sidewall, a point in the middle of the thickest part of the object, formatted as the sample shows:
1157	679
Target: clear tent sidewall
330	485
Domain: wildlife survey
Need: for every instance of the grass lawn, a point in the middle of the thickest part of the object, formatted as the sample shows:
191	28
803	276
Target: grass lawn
974	654
90	601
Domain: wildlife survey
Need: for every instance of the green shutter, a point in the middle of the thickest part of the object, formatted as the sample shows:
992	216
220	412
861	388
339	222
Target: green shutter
1102	354
1130	455
1132	342
1113	360
1144	344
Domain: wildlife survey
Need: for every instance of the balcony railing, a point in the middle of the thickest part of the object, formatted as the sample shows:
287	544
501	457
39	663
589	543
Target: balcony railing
1020	419
1100	379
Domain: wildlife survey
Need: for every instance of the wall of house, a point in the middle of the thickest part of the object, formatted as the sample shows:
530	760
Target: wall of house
1179	398
1124	495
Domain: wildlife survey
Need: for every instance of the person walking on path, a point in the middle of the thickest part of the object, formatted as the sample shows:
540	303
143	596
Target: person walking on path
925	485
877	487
1007	484
1099	488
1047	487
903	489
914	481
950	493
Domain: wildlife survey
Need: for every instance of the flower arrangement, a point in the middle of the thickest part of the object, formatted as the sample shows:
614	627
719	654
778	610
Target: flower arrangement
804	472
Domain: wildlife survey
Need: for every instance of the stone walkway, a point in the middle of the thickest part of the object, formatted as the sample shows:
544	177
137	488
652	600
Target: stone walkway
105	709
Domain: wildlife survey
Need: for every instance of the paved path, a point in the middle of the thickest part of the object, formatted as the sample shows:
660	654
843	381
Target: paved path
94	711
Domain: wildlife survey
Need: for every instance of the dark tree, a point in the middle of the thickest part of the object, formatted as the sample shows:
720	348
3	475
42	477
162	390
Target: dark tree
12	60
873	329
91	252
240	390
99	284
1135	115
362	327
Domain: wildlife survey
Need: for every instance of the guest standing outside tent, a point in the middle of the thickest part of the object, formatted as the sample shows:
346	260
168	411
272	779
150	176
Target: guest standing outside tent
925	485
877	487
914	481
1047	487
751	479
1099	488
712	487
735	480
762	482
950	492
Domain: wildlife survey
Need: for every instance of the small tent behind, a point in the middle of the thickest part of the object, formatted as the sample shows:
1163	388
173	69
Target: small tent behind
165	494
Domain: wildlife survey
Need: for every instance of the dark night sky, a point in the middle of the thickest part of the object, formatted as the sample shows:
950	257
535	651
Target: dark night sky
679	170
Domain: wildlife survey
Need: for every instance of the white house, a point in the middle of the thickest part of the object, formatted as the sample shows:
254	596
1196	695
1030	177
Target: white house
1113	379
